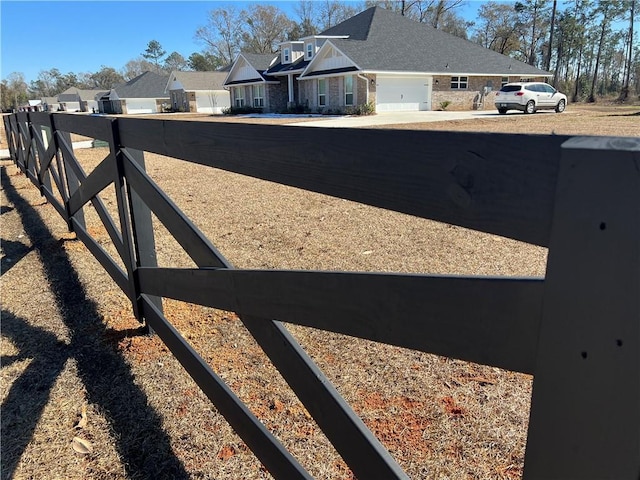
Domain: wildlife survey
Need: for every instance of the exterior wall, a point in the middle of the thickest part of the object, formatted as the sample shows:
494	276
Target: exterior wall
373	81
276	97
191	98
179	101
335	101
472	97
331	59
360	90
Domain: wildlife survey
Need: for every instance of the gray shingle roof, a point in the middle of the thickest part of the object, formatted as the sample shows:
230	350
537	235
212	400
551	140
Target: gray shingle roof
146	85
380	40
74	94
261	62
199	80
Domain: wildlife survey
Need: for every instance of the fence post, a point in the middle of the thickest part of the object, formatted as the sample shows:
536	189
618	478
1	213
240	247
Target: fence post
43	175
585	410
142	228
72	179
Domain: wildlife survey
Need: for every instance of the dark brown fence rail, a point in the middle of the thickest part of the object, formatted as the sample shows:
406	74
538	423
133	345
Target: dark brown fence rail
577	330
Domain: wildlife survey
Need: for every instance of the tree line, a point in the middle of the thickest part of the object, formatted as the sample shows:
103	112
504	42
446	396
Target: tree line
590	46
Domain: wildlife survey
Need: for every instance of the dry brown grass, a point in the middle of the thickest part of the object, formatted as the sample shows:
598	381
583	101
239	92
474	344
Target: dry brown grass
69	339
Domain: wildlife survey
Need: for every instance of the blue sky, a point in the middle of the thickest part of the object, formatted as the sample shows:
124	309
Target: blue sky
81	36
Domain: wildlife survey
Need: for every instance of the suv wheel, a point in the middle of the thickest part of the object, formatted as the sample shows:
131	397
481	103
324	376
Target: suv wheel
502	111
530	107
560	106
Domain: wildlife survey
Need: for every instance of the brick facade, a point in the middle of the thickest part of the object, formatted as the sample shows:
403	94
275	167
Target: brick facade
472	97
277	97
335	99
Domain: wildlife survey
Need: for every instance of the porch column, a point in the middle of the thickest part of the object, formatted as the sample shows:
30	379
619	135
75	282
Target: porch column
290	88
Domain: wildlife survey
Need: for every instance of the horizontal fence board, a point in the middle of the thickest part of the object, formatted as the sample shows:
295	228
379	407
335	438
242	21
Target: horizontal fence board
87	125
357	445
264	445
501	184
492	321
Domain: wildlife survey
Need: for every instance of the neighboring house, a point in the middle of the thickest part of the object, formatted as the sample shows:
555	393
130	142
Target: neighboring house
250	85
76	100
198	91
31	106
142	94
50	104
380	58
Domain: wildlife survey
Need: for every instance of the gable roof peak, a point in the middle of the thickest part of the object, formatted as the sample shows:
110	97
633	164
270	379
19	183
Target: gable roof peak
356	27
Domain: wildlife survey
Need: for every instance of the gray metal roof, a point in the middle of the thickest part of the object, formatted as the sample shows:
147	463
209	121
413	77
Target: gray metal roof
380	40
146	85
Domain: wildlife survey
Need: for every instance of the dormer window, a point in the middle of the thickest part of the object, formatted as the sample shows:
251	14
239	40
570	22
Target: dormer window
309	51
286	56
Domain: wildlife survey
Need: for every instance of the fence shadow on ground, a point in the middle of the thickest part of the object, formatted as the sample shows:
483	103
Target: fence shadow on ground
106	376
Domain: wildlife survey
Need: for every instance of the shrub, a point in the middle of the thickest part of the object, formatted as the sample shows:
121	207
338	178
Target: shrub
240	110
444	104
361	109
298	109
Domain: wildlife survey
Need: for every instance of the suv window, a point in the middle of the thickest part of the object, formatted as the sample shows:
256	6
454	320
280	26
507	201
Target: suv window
533	88
549	89
511	88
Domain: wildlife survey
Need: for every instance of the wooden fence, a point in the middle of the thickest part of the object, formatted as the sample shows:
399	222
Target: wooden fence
577	330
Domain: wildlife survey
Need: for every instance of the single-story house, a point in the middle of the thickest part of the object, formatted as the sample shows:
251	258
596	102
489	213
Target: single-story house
50	104
201	92
378	58
31	106
74	99
142	94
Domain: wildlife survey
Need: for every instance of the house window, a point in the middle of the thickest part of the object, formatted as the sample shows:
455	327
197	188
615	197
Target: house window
309	51
348	90
258	96
459	82
286	55
322	92
238	96
504	81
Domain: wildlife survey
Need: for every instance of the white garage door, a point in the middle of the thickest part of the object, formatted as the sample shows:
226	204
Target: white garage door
141	105
403	93
212	102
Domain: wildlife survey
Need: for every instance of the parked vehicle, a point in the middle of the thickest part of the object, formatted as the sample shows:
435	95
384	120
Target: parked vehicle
529	97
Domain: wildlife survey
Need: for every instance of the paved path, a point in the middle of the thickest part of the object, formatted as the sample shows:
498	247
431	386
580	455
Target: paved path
391	118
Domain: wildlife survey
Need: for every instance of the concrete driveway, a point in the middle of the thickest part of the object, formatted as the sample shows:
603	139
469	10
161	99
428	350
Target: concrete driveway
391	118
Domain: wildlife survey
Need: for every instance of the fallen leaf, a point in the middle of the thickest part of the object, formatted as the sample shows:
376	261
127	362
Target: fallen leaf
81	446
83	418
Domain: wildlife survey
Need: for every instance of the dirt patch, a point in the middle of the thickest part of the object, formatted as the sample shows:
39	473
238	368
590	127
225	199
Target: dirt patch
72	345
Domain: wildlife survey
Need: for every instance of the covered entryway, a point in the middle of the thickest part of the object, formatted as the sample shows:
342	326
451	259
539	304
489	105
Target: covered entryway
141	105
403	93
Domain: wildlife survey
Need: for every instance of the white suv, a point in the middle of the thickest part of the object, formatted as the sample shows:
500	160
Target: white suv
529	97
